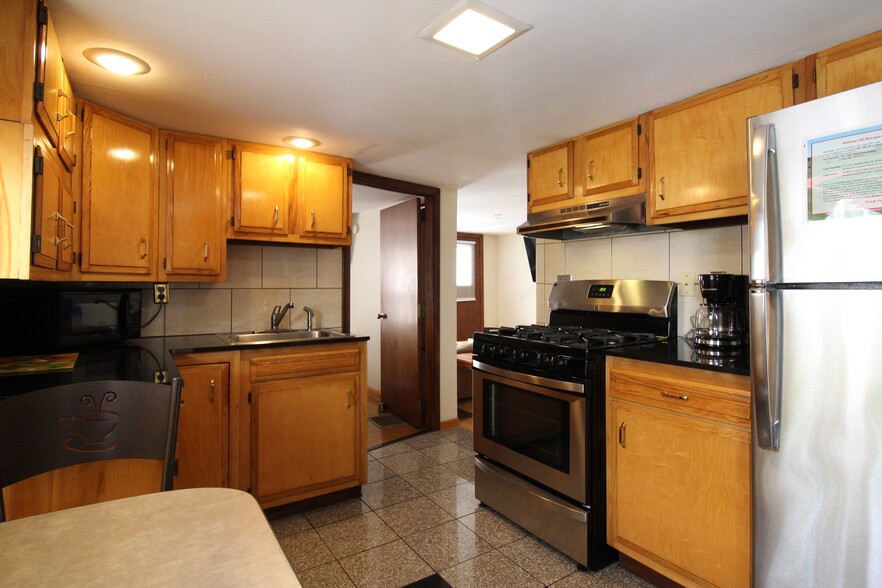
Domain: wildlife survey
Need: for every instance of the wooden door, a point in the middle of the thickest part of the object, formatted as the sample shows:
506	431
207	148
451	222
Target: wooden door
682	490
607	159
194	194
319	450
48	75
263	189
849	65
203	426
549	177
119	194
470	298
401	329
323	194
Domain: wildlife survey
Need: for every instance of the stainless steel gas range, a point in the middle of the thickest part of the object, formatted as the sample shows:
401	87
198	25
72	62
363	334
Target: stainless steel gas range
539	408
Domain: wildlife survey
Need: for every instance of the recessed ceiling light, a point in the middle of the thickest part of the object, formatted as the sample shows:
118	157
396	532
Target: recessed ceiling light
115	61
474	28
301	142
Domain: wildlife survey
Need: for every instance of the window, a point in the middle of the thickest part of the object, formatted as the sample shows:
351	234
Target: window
465	270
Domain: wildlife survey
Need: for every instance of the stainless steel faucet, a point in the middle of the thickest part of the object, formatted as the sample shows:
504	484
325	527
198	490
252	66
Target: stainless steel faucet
278	314
310	314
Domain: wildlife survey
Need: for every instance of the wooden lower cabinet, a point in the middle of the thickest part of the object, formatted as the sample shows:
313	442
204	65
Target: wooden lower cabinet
678	471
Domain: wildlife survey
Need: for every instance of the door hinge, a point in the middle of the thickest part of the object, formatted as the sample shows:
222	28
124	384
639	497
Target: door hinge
38	161
164	263
639	129
528	196
39	90
348	171
42	14
421	406
176	469
421	213
75	207
249	397
232	221
795	81
166	143
36	243
814	75
233	153
639	173
421	310
528	163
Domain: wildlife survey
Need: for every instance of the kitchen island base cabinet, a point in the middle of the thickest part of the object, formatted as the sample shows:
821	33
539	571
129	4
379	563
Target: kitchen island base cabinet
678	471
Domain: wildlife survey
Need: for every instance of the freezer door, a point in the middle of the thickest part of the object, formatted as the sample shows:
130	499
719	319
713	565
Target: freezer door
787	245
817	499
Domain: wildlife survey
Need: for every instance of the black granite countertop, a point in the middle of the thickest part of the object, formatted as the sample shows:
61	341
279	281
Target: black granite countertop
680	352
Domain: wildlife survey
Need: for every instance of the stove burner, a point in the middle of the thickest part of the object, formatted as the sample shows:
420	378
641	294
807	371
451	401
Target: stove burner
571	336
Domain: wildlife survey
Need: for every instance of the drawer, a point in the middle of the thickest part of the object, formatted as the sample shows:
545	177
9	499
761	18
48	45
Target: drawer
301	364
702	393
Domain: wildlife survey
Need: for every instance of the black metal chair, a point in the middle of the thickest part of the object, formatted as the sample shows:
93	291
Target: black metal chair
55	428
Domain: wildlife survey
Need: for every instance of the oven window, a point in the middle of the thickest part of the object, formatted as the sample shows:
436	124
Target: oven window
531	424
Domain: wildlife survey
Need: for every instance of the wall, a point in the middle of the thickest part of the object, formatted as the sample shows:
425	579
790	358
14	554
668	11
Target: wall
516	296
491	281
447	317
364	280
259	277
656	256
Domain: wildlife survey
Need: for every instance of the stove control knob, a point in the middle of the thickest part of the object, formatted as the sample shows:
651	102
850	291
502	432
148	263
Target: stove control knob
502	352
519	355
544	361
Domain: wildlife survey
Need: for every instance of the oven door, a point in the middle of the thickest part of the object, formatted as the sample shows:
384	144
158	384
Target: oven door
534	426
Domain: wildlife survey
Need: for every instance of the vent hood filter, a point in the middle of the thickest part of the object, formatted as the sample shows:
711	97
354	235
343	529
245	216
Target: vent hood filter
596	219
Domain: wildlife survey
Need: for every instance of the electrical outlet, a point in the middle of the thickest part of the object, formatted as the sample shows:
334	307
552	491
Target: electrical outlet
687	284
160	294
160	376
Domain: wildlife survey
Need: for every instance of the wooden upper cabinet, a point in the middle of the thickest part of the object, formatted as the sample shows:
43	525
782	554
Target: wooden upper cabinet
119	194
324	197
48	102
194	214
263	189
67	122
549	175
850	65
699	148
54	230
609	162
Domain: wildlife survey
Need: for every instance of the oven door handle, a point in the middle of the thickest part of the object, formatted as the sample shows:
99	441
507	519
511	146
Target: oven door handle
563	385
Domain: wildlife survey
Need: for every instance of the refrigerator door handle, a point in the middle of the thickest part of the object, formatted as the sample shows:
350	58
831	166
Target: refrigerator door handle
765	237
765	345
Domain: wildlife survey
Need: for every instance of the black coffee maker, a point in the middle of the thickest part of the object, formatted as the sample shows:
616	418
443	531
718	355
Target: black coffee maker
719	327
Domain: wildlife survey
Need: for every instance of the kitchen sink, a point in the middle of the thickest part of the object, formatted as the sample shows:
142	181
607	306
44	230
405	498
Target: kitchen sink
256	337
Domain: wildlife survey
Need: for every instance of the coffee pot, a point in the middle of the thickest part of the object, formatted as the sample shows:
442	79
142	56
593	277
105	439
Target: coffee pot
719	325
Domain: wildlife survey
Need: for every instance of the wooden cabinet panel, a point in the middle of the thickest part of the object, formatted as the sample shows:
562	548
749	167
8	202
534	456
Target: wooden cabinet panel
263	189
699	148
203	426
119	194
608	160
194	207
67	121
53	227
849	65
549	175
48	99
324	197
18	29
304	362
304	435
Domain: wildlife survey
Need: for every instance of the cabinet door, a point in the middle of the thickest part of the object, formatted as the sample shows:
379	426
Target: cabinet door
67	121
850	65
53	226
699	148
680	489
549	177
608	159
119	194
324	196
48	75
203	426
263	189
304	435
194	215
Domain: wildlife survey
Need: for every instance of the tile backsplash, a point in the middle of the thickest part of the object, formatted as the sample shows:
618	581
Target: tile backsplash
259	277
654	256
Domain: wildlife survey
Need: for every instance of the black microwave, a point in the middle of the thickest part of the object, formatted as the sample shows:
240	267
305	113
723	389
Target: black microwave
36	320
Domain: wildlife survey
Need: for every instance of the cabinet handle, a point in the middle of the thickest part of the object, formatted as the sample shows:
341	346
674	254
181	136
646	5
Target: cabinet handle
349	398
206	252
63	240
622	434
591	170
62	93
661	187
212	390
146	245
60	117
312	224
276	215
382	315
560	181
677	396
69	134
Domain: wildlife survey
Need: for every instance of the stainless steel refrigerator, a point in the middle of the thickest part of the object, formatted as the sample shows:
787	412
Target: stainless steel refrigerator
815	226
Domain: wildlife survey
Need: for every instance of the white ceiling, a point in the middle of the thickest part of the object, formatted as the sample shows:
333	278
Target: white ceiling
355	75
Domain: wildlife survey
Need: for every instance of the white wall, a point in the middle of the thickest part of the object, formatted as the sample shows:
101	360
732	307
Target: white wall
516	296
364	295
491	282
447	369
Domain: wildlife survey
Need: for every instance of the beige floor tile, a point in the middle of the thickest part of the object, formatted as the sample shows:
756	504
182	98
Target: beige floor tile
447	545
407	462
492	527
612	576
491	570
389	566
329	575
377	471
539	559
287	526
447	452
464	468
419	514
427	440
326	515
457	500
457	434
432	479
391	449
387	492
355	535
305	550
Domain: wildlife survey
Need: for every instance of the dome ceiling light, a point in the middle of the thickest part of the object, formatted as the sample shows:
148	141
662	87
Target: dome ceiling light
115	61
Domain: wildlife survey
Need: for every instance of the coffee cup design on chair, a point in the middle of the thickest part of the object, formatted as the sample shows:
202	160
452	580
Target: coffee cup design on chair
91	431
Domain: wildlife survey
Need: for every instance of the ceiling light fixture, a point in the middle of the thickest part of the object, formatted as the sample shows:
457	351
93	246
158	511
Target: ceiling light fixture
115	61
474	28
301	142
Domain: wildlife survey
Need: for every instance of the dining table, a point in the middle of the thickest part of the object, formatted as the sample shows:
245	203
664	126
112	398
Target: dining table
193	537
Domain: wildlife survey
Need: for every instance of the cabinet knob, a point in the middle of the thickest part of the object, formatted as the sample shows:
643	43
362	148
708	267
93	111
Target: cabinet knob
212	390
349	398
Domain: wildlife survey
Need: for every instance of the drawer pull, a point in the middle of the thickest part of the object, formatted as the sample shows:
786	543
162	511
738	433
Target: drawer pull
677	396
212	390
349	399
622	434
661	188
591	170
275	215
560	181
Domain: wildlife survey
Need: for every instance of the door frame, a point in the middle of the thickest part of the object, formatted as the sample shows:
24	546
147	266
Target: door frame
429	280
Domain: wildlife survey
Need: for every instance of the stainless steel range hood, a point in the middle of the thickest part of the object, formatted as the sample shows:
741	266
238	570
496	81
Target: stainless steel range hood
596	219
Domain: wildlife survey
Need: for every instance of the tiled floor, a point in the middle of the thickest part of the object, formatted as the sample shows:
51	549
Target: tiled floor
418	516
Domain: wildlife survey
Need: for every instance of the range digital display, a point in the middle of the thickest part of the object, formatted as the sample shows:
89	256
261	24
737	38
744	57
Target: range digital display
600	291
